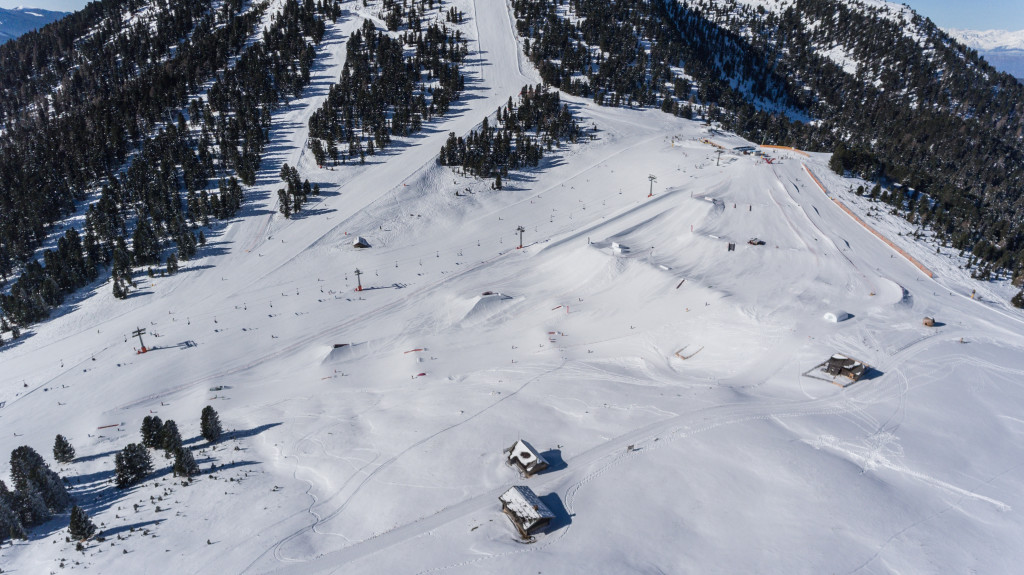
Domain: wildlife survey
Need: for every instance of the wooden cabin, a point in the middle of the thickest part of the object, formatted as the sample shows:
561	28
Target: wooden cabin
526	458
526	511
841	365
929	321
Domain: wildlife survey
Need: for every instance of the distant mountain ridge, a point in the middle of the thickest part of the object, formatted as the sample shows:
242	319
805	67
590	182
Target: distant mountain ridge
1004	49
990	40
16	21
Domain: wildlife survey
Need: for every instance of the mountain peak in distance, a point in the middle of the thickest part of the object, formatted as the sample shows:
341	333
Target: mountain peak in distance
16	21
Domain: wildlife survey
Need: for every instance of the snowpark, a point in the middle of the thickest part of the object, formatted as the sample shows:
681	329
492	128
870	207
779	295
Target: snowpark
659	372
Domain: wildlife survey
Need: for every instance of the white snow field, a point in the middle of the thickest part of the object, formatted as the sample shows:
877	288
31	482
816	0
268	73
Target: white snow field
385	455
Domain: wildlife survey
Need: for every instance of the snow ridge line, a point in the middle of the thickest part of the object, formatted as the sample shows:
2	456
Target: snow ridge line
876	233
305	341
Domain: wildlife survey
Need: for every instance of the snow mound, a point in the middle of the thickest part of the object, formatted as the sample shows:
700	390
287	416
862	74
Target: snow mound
485	307
889	292
340	352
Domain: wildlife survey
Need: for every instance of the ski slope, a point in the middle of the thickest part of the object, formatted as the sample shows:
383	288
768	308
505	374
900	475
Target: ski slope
384	455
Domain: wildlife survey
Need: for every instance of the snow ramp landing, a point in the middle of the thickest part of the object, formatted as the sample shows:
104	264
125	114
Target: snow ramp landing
485	307
341	352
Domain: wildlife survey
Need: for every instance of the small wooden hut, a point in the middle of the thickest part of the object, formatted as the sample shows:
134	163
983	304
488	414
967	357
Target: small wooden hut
526	511
929	321
841	365
526	458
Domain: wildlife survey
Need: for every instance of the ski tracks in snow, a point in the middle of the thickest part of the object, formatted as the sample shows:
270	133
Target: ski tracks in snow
582	469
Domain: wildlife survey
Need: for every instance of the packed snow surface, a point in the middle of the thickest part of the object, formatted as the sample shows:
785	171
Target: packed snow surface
662	380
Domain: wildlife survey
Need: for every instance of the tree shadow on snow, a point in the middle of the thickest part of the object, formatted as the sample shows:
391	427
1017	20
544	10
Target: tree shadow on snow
240	433
114	531
224	466
95	456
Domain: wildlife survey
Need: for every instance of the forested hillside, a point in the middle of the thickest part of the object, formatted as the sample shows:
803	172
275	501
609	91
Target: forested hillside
148	120
897	99
97	107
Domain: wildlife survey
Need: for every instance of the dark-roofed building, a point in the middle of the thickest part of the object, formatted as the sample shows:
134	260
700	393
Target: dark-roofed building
527	512
526	458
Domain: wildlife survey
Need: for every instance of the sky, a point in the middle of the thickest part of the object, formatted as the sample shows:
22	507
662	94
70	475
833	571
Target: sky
980	15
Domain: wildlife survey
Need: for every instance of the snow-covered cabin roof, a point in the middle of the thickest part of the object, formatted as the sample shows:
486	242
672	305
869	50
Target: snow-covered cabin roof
528	457
522	502
360	242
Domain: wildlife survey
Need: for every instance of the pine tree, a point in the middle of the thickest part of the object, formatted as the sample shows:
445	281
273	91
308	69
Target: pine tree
172	263
10	520
131	465
33	477
80	527
1018	300
209	424
151	427
170	438
63	451
184	463
119	291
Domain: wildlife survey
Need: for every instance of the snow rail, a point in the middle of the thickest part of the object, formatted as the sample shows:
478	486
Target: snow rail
788	149
877	234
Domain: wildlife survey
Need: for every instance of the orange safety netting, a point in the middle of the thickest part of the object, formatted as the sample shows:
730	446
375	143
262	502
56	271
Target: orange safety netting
877	234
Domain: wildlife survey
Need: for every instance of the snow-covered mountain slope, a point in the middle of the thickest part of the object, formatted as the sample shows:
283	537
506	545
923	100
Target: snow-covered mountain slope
1003	49
990	40
369	426
16	21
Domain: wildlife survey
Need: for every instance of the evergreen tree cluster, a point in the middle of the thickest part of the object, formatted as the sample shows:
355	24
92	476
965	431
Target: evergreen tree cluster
291	199
92	103
153	166
131	465
383	93
38	494
917	108
518	137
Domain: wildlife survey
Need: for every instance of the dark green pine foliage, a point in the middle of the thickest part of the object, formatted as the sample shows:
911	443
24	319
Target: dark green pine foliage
517	137
116	120
380	93
28	507
209	424
10	519
900	117
63	451
1018	300
33	477
150	432
172	264
170	437
80	527
184	463
131	465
